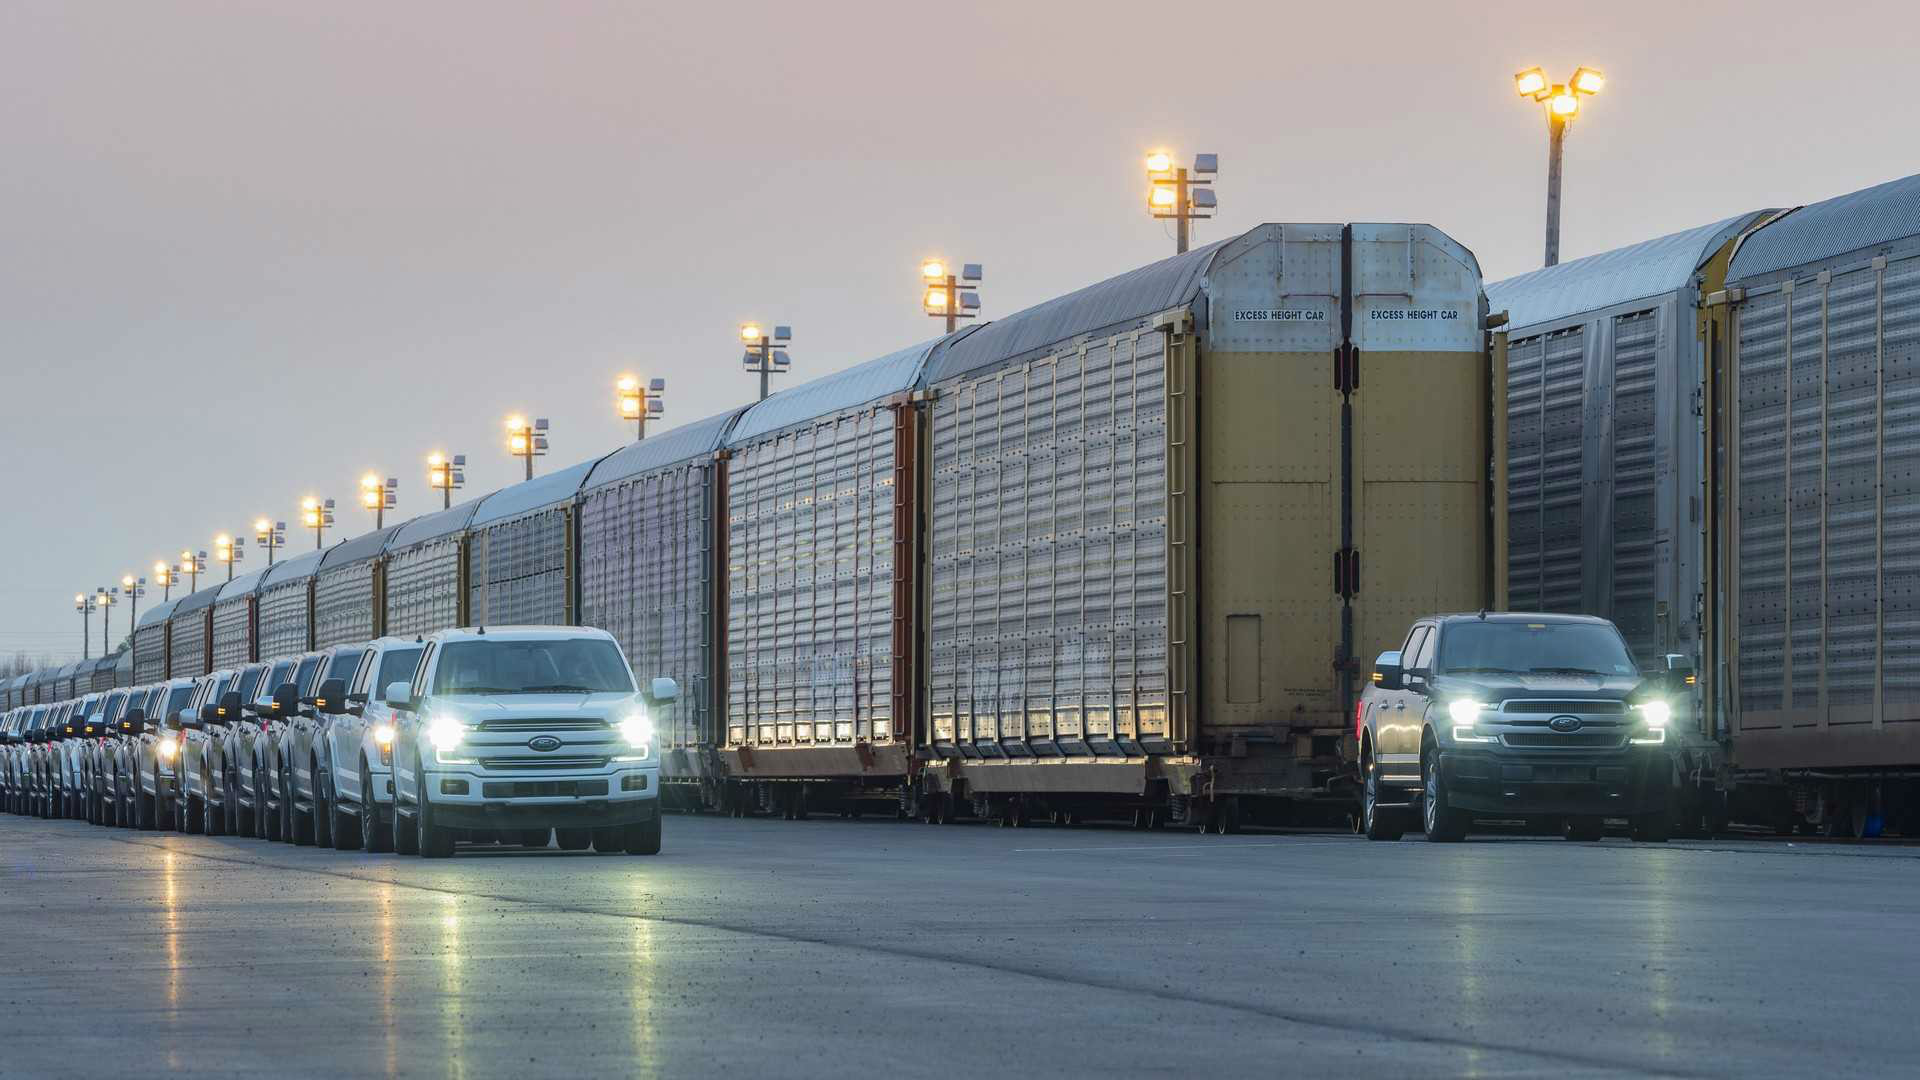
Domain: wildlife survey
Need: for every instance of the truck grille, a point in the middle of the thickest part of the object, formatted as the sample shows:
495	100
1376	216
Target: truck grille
1575	741
537	724
542	789
1578	708
542	764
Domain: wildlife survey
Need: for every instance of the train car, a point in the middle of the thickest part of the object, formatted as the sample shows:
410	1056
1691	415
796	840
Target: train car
66	682
16	694
1172	514
521	542
650	576
101	679
32	689
1605	460
123	666
1814	398
190	634
426	573
150	643
235	624
820	530
347	605
284	606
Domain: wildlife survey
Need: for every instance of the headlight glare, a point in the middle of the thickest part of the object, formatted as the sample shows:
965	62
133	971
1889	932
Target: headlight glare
383	734
167	747
445	733
1464	711
1656	713
637	729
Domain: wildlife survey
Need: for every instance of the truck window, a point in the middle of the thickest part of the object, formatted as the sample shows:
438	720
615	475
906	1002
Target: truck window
398	665
1535	647
552	666
1412	648
303	682
249	679
1423	652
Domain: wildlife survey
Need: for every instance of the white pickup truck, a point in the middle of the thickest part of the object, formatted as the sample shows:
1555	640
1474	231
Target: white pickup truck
524	729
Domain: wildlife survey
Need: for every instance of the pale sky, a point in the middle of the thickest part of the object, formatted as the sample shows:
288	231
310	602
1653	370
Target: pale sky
249	251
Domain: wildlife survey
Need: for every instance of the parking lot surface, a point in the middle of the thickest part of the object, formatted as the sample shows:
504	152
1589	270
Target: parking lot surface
760	948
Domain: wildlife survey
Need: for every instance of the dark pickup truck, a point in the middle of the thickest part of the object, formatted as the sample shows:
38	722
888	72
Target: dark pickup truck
1543	718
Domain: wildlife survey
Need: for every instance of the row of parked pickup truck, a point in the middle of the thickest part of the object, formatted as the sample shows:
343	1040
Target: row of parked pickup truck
522	735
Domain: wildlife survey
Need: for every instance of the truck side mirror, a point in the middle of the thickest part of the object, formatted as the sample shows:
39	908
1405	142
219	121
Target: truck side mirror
209	714
331	698
229	708
662	691
1387	674
184	720
286	700
399	696
134	722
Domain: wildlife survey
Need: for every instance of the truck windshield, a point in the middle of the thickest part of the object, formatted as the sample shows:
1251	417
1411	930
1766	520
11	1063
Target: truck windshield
177	699
558	666
1533	648
396	665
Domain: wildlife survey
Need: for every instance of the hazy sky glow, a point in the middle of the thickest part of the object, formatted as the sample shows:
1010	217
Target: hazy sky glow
249	251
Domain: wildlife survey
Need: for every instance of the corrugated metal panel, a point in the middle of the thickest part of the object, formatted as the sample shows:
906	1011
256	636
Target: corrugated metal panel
150	643
1526	448
298	568
100	679
646	577
187	634
831	395
1130	297
1761	611
122	669
1049	606
158	613
535	494
518	570
283	619
1562	447
1860	221
1635	272
434	526
423	587
810	565
1630	534
685	443
343	603
233	621
1900	559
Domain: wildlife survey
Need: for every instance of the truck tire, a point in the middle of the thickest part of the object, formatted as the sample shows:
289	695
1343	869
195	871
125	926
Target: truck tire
573	839
431	840
644	838
374	838
1444	824
1378	824
322	813
608	839
296	828
192	816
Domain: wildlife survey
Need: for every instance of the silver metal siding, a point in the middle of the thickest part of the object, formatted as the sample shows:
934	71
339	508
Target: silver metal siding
189	638
423	588
150	653
232	633
283	619
1048	621
810	568
343	605
1900	560
1761	608
646	576
1636	539
518	570
1525	453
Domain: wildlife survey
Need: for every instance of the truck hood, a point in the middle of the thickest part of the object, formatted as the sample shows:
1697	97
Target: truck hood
1491	687
473	710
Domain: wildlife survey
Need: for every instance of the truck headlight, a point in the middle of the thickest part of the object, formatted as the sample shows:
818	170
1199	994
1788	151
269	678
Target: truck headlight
1464	711
1656	713
167	747
383	734
1465	733
637	729
445	733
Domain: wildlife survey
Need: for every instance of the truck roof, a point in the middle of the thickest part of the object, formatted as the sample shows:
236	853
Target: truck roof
1519	616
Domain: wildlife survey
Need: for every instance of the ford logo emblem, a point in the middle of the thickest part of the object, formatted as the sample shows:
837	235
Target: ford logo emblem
1564	724
546	743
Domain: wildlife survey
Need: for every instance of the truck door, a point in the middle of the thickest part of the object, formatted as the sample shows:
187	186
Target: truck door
1397	718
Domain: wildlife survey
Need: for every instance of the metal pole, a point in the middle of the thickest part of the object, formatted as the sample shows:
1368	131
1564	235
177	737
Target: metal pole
529	453
270	546
86	632
1556	137
133	610
953	314
1180	211
446	493
766	364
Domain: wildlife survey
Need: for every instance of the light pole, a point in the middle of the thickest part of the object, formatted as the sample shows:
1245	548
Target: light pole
229	550
163	577
1563	104
526	440
269	534
83	604
317	515
763	357
639	404
104	599
1181	194
379	496
133	589
192	565
446	475
945	298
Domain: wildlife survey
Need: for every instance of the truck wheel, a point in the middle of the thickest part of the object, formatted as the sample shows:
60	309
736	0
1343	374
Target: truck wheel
433	841
1650	828
192	816
296	828
644	838
375	838
1444	824
268	819
1378	824
405	840
322	813
573	839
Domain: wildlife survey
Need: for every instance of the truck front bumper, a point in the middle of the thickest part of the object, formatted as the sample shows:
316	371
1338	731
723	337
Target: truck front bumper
1615	784
478	799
